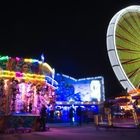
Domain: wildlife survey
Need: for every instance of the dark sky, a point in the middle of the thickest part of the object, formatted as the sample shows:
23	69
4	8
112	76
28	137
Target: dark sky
71	34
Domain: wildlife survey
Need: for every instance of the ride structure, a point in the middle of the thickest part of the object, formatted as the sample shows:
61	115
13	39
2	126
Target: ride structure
123	51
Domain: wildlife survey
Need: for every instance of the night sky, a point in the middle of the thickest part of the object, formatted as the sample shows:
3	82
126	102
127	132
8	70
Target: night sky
70	34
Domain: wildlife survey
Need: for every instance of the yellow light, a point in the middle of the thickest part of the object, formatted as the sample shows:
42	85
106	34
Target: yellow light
26	76
127	107
48	66
28	60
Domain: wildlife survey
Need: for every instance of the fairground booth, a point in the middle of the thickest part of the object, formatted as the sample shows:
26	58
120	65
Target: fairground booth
127	107
85	92
25	84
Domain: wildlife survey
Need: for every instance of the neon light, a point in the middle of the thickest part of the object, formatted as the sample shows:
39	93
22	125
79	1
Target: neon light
17	59
27	76
42	58
39	62
19	74
27	60
3	58
48	66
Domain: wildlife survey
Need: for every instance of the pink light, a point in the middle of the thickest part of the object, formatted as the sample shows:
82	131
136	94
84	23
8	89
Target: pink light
17	59
19	74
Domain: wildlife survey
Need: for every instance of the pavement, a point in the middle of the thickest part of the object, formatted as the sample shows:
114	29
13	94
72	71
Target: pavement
124	124
119	125
65	131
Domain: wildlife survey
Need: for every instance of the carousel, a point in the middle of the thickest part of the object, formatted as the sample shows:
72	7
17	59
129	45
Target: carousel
25	84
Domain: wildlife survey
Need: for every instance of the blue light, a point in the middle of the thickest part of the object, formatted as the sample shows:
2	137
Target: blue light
42	57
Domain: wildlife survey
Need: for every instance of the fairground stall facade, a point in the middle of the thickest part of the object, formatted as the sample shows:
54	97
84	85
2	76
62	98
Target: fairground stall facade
25	84
85	92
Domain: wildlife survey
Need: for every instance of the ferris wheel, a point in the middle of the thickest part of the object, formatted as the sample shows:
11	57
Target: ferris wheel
123	46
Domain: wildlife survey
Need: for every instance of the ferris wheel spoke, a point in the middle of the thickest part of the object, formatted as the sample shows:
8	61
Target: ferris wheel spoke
123	38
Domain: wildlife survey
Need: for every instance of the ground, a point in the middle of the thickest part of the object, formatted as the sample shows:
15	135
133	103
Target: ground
85	132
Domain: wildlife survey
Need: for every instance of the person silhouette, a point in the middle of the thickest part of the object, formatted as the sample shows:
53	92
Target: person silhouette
71	115
79	115
43	117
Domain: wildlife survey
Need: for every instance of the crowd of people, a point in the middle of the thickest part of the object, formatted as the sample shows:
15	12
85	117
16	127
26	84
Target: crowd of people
80	115
76	116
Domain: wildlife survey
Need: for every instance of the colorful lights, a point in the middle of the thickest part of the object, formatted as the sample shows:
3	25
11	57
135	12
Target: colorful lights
19	75
28	77
28	83
35	71
45	66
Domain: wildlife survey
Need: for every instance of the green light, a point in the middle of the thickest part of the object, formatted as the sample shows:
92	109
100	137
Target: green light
4	58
